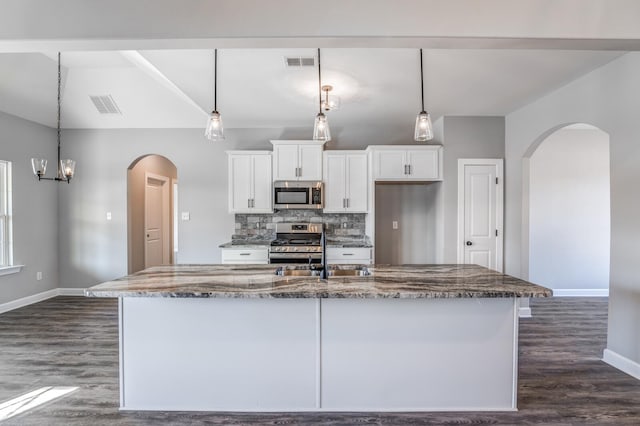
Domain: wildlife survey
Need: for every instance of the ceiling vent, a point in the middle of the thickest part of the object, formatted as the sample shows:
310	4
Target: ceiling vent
105	104
299	61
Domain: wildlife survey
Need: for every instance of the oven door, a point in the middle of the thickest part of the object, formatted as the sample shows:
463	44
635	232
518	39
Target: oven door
291	198
295	257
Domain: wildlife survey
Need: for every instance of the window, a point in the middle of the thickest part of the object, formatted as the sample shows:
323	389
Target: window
6	255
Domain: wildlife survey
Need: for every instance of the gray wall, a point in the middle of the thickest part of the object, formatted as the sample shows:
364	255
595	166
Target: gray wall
35	207
415	208
607	98
465	137
569	220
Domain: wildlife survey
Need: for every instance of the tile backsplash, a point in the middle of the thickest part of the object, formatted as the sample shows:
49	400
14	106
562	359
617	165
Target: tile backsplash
263	226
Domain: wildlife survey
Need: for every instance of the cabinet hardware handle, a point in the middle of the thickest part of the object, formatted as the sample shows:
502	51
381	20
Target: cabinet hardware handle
245	254
348	202
299	171
344	203
248	203
405	170
347	254
409	168
469	243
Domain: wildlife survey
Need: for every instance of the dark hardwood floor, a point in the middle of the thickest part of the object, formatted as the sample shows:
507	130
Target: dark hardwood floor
72	341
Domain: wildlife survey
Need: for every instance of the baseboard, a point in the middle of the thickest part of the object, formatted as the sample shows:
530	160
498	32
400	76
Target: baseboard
35	298
29	300
622	363
70	291
524	312
580	292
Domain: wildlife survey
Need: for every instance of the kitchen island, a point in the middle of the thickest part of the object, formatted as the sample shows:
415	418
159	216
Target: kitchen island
240	338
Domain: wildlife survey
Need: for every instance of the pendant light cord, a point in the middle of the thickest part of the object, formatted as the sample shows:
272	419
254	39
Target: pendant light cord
422	79
319	85
59	107
215	80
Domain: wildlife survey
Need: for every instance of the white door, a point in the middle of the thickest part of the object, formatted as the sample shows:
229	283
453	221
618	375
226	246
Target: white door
285	162
480	212
262	184
334	183
240	183
357	188
157	222
390	164
423	164
310	162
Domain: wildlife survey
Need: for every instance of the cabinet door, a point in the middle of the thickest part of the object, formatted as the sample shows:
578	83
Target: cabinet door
357	192
424	164
285	162
334	183
389	164
262	184
310	162
239	183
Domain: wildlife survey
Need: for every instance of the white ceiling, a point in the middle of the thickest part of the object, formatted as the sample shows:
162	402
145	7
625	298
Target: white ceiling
173	88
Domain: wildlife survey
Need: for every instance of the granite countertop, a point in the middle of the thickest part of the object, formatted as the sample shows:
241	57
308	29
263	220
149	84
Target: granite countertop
259	281
336	242
245	244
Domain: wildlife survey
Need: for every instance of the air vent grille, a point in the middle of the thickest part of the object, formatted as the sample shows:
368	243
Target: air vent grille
300	61
105	104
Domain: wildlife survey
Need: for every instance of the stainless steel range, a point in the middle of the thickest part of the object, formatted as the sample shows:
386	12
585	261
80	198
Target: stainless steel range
296	243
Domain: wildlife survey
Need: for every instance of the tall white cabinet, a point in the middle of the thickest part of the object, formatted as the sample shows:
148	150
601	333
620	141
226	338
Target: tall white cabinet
297	160
407	162
250	182
346	181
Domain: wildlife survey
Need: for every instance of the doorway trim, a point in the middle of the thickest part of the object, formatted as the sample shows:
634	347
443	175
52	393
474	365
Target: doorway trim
499	165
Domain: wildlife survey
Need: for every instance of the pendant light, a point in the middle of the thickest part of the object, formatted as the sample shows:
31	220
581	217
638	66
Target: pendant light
321	130
66	168
214	130
424	128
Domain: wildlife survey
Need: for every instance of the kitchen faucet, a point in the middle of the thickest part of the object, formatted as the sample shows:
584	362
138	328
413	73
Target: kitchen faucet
324	272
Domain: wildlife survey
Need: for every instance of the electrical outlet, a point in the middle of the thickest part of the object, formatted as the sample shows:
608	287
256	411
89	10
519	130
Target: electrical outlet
186	216
39	276
394	224
108	215
345	225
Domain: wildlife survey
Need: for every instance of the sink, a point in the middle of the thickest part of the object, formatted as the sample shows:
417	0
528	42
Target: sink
285	272
334	271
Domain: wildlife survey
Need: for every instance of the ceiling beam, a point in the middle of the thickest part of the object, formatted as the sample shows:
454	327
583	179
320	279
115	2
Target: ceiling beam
41	25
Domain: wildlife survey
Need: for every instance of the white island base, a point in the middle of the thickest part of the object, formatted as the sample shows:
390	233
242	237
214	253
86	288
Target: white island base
225	354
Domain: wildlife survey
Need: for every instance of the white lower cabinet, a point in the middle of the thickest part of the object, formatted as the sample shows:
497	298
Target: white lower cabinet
245	256
341	255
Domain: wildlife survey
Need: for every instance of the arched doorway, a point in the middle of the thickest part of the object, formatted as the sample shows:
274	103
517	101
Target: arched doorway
567	211
151	205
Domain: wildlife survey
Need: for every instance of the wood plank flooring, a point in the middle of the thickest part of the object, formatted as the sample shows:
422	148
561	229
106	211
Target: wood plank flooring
72	341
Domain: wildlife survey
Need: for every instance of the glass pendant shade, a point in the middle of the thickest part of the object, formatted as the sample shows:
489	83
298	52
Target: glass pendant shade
321	130
424	128
39	166
68	168
214	130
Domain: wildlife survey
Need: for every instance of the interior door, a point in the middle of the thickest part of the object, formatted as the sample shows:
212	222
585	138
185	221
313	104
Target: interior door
481	240
157	221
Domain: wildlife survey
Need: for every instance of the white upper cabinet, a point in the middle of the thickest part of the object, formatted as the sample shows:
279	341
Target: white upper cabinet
297	160
250	183
407	163
345	181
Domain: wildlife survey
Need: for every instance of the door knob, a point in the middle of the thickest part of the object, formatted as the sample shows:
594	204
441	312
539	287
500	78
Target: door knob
469	243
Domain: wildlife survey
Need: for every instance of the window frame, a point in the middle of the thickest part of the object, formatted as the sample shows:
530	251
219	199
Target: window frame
6	218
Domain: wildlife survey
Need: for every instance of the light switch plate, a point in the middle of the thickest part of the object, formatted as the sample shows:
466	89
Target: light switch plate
108	215
186	216
394	224
39	276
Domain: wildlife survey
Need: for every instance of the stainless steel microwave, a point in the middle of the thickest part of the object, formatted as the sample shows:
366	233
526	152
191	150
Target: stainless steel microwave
298	195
